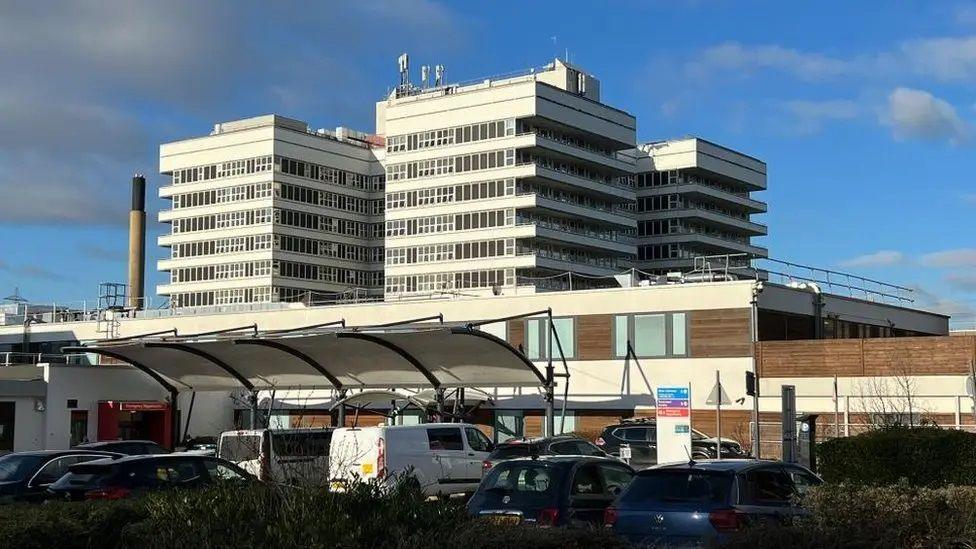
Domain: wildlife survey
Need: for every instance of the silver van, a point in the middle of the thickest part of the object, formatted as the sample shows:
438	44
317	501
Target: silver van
288	456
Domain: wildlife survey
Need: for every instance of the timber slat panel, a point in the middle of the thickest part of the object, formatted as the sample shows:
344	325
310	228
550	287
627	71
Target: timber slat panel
516	333
593	337
811	358
720	333
919	356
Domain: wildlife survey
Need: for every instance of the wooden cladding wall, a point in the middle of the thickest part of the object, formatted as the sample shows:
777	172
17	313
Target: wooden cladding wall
720	333
593	335
934	355
516	333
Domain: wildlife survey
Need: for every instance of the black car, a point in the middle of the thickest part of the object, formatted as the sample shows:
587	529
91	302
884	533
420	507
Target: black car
127	447
125	476
25	476
641	435
561	445
550	490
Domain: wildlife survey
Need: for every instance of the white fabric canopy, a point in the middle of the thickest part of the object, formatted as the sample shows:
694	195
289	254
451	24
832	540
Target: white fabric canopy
441	356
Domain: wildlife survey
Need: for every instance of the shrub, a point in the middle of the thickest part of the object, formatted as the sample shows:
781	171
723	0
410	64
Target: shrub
862	516
922	456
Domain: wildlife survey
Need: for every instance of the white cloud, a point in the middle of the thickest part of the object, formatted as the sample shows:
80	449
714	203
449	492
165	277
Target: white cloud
945	59
919	114
962	257
810	116
965	282
880	258
745	60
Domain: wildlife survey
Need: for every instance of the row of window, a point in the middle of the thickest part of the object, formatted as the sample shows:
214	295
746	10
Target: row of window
223	195
221	271
218	246
224	220
567	225
231	168
658	227
441	282
450	222
450	136
574	169
332	176
658	335
571	255
336	201
576	199
324	248
450	164
447	252
328	224
479	190
327	273
657	179
261	294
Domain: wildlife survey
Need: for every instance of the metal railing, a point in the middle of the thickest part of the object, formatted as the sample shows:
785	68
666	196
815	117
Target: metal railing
785	272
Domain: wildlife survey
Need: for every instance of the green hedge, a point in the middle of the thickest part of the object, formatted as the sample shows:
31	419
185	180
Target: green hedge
239	517
921	456
854	517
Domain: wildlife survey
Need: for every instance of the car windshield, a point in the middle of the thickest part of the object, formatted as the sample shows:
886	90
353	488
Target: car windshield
509	451
14	467
523	482
664	485
240	448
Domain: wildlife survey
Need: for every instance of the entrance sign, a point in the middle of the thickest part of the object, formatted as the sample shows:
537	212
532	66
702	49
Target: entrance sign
673	424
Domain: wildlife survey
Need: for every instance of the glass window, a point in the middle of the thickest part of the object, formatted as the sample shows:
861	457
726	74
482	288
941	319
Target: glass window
508	424
649	335
620	334
564	329
615	477
445	438
477	440
221	471
676	485
769	486
532	339
678	334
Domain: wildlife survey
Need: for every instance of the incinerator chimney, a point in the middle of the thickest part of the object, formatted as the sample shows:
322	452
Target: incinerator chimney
137	243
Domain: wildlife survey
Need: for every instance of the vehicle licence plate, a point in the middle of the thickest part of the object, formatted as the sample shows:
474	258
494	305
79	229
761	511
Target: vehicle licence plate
504	520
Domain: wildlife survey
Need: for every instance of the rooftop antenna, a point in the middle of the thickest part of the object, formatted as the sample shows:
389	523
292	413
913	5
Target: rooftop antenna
424	75
404	62
439	75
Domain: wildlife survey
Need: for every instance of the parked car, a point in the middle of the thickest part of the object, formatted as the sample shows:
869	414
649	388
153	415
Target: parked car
641	435
131	475
705	502
445	458
291	456
550	490
204	446
127	447
561	445
25	476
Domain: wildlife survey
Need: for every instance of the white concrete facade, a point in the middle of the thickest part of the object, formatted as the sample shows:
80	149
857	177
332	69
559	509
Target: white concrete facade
696	199
263	210
505	183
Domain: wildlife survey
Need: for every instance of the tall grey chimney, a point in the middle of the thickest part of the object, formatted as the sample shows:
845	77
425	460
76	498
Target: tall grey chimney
137	243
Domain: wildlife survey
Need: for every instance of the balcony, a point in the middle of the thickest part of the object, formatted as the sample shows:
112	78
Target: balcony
738	224
741	200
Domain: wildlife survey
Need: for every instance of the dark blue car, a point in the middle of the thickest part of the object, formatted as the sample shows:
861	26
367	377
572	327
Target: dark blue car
700	503
550	490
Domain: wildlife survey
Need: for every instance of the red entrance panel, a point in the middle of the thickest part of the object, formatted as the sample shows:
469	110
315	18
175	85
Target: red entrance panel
108	421
153	423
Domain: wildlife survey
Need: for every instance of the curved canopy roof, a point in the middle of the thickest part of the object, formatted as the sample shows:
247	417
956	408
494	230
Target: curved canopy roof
415	357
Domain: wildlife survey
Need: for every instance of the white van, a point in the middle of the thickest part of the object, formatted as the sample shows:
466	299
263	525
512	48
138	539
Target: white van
446	458
290	456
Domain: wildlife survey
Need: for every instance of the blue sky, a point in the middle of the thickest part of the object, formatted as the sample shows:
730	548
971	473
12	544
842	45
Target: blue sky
864	111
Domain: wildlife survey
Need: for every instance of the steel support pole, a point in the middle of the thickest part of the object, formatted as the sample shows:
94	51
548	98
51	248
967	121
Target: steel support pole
550	426
718	415
254	409
439	395
341	412
756	440
174	419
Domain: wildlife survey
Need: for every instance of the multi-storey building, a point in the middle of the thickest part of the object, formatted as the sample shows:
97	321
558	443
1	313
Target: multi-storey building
263	209
694	200
507	182
520	183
